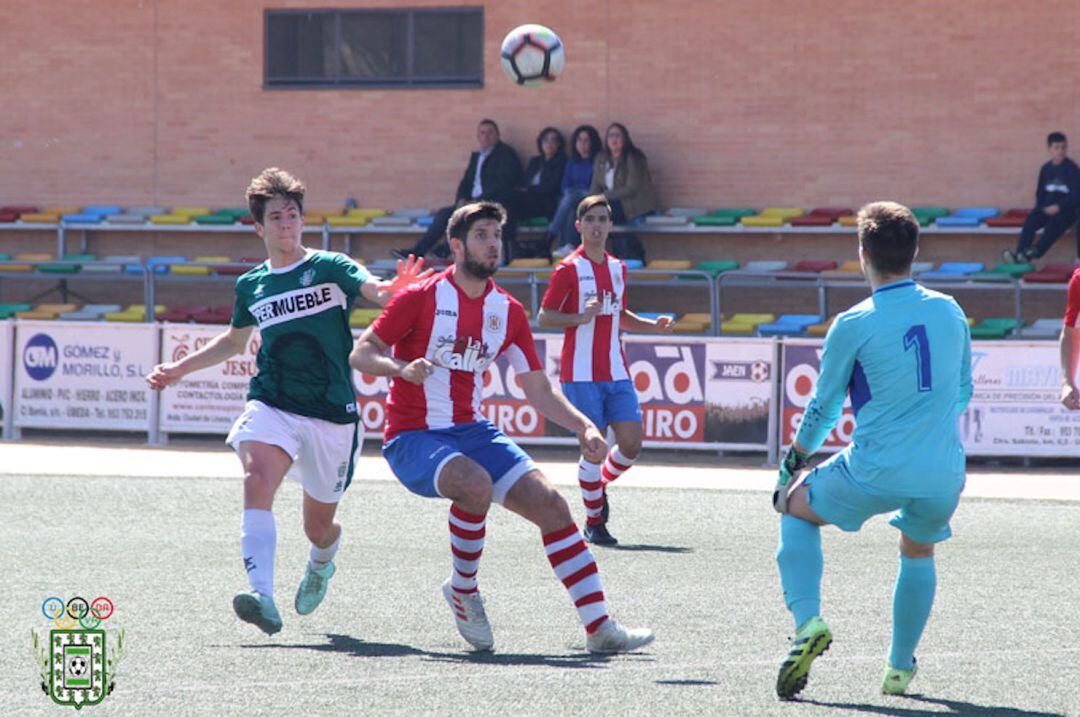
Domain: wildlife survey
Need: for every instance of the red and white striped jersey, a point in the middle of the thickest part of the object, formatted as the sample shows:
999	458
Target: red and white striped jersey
591	351
462	337
1072	308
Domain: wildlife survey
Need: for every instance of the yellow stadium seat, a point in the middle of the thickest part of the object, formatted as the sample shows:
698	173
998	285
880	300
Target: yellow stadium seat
682	326
188	270
347	221
753	319
670	264
170	219
760	221
35	315
368	214
784	213
536	263
362	318
314	218
40	218
60	209
847	221
734	328
213	259
16	269
57	308
848	268
819	330
698	317
190	211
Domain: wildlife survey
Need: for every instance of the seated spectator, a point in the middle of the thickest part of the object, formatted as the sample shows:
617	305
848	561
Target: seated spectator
621	174
1057	204
494	170
540	194
584	146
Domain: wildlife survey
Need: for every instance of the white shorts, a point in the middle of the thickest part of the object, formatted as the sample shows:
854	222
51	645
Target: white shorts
323	453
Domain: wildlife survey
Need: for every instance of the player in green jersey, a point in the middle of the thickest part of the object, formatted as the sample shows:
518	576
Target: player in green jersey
301	417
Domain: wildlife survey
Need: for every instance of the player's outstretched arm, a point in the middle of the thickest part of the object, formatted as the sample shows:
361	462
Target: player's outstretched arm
371	356
552	319
629	321
219	348
554	406
1070	396
409	272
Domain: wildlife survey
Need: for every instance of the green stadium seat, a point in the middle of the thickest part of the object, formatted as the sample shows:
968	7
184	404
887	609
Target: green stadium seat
67	268
737	212
9	310
215	219
707	221
718	267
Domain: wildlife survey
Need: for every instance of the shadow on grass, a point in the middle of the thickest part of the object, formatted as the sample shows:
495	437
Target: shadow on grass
956	707
686	683
677	549
348	645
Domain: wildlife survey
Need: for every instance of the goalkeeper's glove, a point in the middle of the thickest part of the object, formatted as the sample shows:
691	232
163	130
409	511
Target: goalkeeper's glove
790	468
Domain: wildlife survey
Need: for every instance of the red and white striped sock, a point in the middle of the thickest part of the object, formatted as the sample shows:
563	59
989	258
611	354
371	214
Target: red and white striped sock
574	564
466	543
615	465
592	490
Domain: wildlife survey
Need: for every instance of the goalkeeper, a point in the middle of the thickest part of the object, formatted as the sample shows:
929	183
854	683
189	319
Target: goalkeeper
904	355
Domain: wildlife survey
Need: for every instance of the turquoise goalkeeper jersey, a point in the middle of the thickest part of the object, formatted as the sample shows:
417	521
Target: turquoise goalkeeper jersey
904	355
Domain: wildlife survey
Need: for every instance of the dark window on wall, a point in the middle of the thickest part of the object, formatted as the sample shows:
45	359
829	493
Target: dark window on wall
423	47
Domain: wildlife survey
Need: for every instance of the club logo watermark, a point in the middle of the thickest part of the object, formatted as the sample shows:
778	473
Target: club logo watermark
77	664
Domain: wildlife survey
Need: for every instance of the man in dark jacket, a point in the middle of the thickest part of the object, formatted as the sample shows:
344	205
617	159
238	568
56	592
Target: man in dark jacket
493	172
1057	203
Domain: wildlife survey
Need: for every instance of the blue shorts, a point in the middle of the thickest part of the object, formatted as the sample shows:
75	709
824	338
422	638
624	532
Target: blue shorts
604	402
836	497
417	457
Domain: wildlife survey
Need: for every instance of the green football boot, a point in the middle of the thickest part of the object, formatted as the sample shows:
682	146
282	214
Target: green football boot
894	681
312	588
259	610
810	641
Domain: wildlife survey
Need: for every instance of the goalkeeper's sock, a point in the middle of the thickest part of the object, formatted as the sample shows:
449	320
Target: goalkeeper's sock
258	541
801	563
913	596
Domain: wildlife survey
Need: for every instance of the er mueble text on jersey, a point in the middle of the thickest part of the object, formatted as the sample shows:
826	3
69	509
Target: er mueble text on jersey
609	303
463	354
301	302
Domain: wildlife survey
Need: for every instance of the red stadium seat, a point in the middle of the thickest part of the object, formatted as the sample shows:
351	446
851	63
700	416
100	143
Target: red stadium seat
812	220
834	212
1051	274
1005	221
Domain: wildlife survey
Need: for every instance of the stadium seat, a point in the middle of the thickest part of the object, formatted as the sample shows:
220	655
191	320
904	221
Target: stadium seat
188	270
765	265
814	265
737	212
368	214
976	212
833	212
632	264
180	314
19	209
953	270
67	268
40	218
159	264
1004	272
127	218
236	270
1005	221
788	325
45	312
1049	274
693	323
9	310
819	330
847	221
849	269
190	211
534	222
666	265
707	221
931	212
412	213
533	263
994	328
919	267
784	213
170	219
718	267
759	220
812	220
954	220
61	209
394	221
82	218
424	221
215	219
246	220
7	217
5	257
147	211
113	264
219	315
1042	329
745	324
348	221
362	318
90	312
688	212
103	210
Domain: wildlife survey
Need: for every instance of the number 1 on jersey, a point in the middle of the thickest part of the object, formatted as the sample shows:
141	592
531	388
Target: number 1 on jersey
916	337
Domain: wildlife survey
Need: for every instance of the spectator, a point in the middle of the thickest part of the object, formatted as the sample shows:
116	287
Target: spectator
1057	203
493	172
540	194
621	173
584	146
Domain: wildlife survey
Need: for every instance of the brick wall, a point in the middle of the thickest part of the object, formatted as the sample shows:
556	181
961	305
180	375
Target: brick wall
761	103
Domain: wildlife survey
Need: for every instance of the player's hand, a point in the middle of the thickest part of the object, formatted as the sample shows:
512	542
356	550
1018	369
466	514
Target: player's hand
163	375
592	307
1070	397
593	446
1051	210
790	468
409	271
417	370
665	325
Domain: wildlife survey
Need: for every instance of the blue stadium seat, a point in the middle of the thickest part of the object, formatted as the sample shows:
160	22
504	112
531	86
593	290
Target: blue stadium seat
83	218
789	325
979	213
953	270
956	221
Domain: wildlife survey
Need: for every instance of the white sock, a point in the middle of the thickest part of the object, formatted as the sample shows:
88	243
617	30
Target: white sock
319	557
258	542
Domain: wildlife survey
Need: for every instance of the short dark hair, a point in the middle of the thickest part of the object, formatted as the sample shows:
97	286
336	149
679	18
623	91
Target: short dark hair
591	202
1055	137
491	122
464	217
273	182
889	233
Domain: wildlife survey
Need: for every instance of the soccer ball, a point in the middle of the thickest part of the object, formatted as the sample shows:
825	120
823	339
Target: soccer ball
78	666
532	55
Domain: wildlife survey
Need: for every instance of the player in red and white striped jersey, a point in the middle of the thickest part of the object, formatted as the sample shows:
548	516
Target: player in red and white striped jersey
587	298
1070	336
445	333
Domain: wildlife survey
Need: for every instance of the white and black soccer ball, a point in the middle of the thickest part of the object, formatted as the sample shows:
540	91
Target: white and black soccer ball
77	666
532	55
